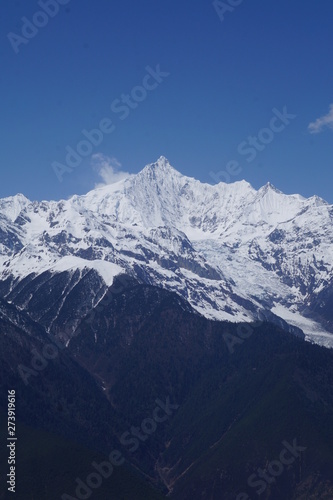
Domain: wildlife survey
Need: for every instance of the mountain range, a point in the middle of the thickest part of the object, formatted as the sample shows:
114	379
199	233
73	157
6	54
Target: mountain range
232	252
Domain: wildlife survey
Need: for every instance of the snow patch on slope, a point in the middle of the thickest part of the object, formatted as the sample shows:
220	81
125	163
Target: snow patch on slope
313	330
107	270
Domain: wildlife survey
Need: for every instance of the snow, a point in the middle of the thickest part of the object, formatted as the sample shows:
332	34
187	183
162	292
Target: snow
11	207
107	270
313	330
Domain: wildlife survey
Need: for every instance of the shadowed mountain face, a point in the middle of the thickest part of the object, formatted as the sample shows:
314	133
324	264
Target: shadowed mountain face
198	408
234	253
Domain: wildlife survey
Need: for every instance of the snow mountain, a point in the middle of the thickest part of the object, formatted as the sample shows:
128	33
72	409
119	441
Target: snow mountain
233	252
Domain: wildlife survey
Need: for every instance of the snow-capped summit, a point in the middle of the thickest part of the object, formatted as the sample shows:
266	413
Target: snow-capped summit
11	207
162	165
232	251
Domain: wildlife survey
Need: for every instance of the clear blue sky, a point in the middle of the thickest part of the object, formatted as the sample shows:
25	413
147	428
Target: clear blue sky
225	77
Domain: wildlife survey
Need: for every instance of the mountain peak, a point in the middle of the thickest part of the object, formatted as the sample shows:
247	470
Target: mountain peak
269	186
161	164
163	161
11	206
160	169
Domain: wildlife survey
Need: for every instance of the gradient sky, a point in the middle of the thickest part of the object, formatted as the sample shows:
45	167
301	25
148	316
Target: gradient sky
227	73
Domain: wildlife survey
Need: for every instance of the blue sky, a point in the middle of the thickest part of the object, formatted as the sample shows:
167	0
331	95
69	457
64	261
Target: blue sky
223	75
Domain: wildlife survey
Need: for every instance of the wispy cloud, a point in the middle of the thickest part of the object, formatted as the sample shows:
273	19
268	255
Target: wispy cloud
109	169
324	121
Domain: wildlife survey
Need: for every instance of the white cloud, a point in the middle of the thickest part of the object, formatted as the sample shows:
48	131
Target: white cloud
324	121
109	169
